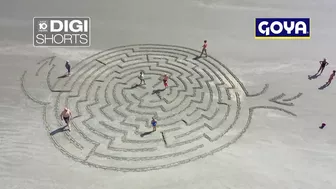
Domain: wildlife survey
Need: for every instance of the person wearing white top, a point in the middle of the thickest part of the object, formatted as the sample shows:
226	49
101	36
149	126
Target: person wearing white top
142	78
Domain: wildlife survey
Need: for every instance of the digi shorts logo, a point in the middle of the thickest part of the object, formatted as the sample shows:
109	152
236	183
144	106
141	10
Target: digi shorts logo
62	31
282	28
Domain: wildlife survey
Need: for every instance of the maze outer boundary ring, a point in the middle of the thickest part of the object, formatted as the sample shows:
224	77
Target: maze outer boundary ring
97	56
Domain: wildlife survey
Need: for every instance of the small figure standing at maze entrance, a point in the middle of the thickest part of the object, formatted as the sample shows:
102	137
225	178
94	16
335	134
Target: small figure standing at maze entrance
154	122
67	66
204	49
165	81
331	77
142	78
323	64
66	115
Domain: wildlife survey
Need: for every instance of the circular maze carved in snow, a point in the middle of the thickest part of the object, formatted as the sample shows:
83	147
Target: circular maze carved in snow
204	110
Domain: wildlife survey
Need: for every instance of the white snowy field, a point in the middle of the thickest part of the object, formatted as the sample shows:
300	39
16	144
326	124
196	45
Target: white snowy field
276	152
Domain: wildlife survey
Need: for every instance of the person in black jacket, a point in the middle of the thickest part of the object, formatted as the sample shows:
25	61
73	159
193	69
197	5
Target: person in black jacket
68	67
323	64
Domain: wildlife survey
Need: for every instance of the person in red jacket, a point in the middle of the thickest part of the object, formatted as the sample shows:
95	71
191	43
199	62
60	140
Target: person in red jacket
331	77
165	81
204	49
322	126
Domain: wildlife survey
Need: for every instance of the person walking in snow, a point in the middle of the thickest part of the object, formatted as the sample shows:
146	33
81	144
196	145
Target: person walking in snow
68	67
204	49
331	77
66	115
322	126
165	81
142	78
323	64
154	122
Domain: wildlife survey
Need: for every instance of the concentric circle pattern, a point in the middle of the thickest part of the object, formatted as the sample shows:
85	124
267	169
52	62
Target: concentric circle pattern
200	112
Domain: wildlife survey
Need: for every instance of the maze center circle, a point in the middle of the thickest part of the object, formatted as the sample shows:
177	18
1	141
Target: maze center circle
167	105
113	110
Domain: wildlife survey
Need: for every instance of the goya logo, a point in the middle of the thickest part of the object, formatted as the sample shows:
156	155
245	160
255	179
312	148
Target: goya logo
282	28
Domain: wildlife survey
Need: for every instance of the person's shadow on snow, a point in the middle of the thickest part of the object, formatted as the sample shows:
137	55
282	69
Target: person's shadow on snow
197	57
158	91
146	133
134	86
62	76
323	86
59	130
310	77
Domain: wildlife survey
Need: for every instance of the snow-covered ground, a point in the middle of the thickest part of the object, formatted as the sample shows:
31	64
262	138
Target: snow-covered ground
276	152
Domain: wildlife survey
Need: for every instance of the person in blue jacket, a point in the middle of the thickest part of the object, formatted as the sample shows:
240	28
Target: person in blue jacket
154	122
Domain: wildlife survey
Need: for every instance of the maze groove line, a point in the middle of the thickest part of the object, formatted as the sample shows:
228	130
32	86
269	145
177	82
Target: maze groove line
293	98
25	92
203	111
46	61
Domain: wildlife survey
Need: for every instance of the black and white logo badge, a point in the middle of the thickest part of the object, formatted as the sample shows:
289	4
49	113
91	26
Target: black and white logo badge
62	31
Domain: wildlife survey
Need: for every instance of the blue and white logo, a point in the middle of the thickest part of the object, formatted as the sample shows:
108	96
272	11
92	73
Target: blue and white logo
282	28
